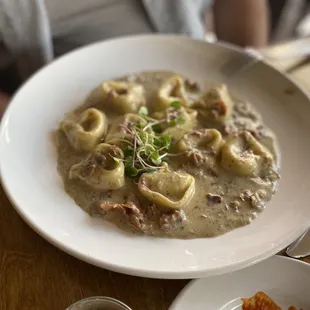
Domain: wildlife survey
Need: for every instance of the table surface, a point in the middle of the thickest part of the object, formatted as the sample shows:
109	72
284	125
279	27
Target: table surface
36	275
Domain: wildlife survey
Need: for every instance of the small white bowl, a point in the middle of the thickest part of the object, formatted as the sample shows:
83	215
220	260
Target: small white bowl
286	281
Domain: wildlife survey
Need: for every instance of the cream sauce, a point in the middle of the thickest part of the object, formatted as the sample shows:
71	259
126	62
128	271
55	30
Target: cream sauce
222	201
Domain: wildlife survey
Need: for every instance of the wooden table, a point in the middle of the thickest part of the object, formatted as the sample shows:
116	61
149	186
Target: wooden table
35	275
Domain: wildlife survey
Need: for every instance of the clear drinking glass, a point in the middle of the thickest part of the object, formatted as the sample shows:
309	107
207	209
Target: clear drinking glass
98	303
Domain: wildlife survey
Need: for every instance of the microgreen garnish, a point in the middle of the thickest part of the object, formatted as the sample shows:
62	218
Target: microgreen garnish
163	142
117	160
175	104
143	111
157	128
177	121
127	151
146	152
132	171
148	148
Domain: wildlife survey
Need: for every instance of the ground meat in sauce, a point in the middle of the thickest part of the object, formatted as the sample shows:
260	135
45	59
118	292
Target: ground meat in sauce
214	199
222	201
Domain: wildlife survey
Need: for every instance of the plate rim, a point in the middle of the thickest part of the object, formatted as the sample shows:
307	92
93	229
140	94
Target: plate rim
185	274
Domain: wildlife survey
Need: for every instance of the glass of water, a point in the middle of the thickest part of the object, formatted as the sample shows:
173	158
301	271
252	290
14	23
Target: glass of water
98	303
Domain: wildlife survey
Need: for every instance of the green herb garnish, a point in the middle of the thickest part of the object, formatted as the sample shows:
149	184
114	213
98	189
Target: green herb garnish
116	160
177	121
180	120
175	104
143	111
163	142
128	151
148	149
146	152
157	128
131	171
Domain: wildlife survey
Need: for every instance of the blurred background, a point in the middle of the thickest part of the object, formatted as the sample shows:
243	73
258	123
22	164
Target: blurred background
33	32
289	19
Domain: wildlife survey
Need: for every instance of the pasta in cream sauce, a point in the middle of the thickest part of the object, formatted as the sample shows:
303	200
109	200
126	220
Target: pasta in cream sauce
158	154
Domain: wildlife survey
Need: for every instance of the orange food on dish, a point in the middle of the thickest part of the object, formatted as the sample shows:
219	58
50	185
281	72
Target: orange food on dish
261	301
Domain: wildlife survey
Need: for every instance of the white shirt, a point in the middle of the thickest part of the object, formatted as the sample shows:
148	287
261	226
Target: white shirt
79	22
34	31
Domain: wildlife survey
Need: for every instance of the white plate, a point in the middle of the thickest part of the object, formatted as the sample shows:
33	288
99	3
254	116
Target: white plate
284	280
28	159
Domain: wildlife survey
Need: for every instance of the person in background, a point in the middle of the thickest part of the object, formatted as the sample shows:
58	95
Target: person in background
33	32
288	19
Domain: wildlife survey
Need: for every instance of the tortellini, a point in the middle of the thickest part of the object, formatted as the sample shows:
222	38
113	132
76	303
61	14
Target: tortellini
216	104
207	141
119	132
178	122
123	97
243	155
102	169
86	132
169	189
201	148
243	124
173	89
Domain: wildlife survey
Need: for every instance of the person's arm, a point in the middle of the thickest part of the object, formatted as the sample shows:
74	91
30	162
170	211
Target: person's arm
242	22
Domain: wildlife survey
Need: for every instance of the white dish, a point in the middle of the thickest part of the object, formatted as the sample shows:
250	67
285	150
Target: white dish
284	280
28	159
